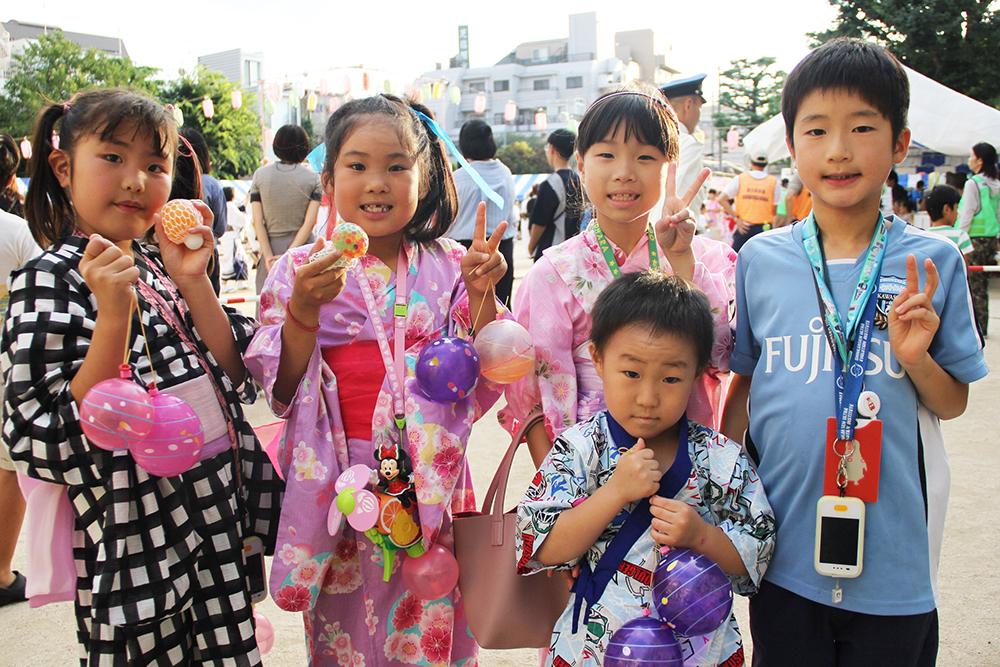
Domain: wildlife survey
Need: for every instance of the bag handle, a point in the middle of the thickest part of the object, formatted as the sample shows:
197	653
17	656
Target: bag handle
493	503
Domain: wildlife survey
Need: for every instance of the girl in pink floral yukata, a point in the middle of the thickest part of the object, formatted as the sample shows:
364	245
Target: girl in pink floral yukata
336	354
627	149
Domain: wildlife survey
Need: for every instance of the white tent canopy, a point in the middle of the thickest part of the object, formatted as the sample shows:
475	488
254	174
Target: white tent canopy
940	118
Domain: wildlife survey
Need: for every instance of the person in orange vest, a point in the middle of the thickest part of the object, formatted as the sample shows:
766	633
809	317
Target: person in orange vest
752	200
798	200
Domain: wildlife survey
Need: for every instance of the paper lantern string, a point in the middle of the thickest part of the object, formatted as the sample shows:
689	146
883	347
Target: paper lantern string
490	193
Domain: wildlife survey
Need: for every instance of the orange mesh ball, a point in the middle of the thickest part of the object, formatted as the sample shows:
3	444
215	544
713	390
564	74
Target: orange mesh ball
179	216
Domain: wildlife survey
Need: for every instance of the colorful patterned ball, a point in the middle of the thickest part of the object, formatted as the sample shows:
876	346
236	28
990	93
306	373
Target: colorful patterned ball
447	370
116	413
175	441
348	238
505	350
643	642
179	216
691	593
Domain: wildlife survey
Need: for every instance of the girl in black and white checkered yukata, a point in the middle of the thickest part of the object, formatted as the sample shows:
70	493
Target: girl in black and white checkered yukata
159	565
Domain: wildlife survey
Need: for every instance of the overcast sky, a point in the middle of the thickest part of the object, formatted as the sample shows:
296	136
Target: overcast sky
410	37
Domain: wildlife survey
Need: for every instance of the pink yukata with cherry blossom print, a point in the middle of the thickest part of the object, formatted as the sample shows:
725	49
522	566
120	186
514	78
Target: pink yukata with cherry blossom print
352	617
554	302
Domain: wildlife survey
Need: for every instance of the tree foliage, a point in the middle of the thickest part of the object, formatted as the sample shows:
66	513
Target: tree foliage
525	155
53	69
954	42
751	89
233	135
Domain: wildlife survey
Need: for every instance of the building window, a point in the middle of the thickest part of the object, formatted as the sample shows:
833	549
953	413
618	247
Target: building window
501	86
498	119
478	86
252	72
540	54
541	84
574	82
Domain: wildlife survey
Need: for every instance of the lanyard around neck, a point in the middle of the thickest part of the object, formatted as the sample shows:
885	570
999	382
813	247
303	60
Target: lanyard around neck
609	254
393	366
850	344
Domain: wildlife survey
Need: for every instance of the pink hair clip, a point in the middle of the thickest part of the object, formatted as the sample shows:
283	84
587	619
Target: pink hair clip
68	103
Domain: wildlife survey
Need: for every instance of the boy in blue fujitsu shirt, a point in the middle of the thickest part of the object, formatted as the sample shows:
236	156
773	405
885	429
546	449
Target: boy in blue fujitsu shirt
805	313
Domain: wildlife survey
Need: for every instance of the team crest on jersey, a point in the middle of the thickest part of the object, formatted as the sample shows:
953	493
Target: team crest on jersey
889	288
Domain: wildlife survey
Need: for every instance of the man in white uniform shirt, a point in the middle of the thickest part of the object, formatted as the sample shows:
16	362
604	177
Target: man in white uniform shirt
685	97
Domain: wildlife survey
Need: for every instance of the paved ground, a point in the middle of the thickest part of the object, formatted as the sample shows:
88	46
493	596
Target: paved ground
969	583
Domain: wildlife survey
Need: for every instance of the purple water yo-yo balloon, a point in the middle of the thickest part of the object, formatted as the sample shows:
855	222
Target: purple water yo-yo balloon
643	642
447	370
691	593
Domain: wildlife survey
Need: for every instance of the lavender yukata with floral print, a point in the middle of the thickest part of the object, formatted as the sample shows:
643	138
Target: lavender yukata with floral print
352	617
554	302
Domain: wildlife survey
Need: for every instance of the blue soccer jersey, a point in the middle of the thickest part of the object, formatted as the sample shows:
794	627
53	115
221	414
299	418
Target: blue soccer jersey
780	343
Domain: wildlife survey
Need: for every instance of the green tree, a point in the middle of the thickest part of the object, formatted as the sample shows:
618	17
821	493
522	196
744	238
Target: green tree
951	41
525	154
233	135
751	89
53	69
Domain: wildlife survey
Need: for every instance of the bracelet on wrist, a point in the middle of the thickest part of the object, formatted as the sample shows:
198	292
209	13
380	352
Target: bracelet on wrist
294	321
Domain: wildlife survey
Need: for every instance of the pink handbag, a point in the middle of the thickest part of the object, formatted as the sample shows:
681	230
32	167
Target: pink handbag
504	609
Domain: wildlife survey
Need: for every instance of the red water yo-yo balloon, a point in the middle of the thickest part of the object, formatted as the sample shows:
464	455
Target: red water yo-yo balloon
447	370
116	413
432	575
643	642
691	593
175	441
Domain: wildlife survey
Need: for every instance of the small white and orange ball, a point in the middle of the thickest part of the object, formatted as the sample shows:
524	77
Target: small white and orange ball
179	217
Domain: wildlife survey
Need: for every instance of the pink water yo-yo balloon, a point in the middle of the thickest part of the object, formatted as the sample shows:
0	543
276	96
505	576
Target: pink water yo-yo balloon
179	216
432	575
175	441
264	633
116	413
506	351
447	370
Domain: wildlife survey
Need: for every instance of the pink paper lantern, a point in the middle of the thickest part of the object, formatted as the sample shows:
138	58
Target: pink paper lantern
208	107
236	99
324	87
433	575
510	111
541	120
479	104
268	136
26	148
347	83
334	104
175	441
366	81
117	413
273	92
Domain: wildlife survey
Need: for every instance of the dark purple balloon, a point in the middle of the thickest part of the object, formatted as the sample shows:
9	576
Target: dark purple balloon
691	593
643	642
447	370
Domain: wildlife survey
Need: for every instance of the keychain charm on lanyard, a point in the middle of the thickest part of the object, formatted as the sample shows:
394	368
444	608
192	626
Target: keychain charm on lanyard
393	362
609	255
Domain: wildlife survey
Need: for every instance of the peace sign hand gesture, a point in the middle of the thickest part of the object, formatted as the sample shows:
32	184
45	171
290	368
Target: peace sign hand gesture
675	230
913	321
482	265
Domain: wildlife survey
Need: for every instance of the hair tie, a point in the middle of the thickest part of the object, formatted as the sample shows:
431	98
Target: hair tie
69	103
490	193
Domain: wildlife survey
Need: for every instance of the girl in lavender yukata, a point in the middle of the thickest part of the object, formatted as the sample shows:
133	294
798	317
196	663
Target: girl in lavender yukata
627	149
321	355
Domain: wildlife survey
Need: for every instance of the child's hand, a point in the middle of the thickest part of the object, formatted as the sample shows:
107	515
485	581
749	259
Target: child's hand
313	287
675	230
912	319
637	474
482	265
676	524
180	261
110	274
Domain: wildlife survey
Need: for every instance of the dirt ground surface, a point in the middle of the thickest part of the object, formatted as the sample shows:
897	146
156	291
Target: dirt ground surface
969	581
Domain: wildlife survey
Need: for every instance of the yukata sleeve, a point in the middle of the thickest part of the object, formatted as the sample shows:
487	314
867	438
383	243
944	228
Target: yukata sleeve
263	354
715	275
46	337
561	483
739	507
542	306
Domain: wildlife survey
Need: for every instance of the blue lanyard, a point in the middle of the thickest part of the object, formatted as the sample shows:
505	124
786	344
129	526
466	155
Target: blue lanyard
850	343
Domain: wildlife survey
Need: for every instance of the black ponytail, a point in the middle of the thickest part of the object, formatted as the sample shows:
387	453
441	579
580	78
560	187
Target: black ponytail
988	154
47	206
438	207
10	200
